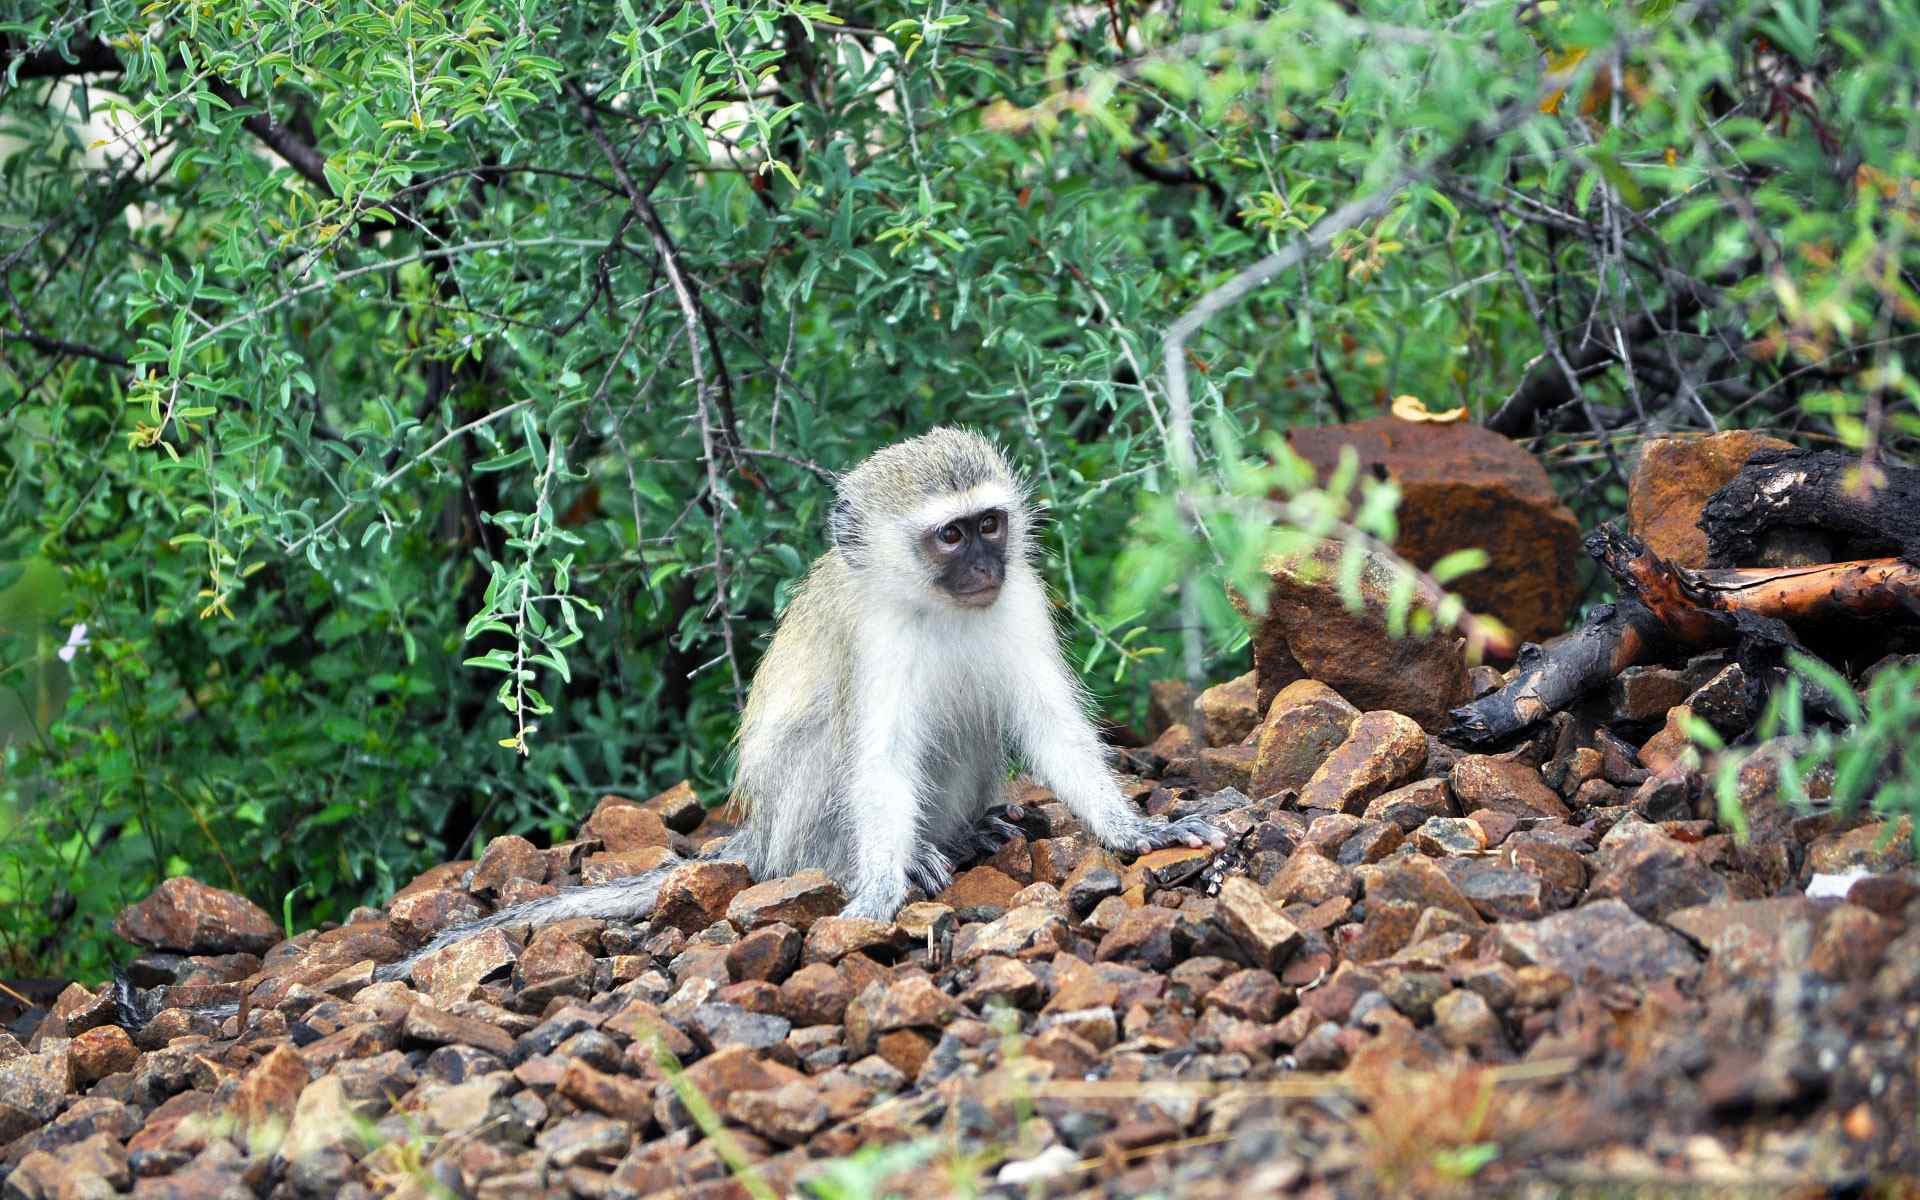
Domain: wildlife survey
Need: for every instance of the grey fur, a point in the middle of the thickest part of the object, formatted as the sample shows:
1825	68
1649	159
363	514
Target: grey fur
874	745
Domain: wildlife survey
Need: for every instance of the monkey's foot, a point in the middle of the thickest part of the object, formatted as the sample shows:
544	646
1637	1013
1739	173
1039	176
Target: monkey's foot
1157	833
930	871
992	831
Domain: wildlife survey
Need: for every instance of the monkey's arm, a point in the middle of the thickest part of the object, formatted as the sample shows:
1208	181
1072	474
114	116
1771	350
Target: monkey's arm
1050	729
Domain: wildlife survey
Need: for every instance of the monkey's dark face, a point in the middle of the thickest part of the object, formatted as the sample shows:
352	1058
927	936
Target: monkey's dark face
969	557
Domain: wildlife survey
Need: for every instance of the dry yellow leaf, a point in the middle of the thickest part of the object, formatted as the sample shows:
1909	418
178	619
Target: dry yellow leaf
1413	408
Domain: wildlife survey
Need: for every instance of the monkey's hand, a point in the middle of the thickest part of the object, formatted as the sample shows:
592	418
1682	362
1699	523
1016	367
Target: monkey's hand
1158	833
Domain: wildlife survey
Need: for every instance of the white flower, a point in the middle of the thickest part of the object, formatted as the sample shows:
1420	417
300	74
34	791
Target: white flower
76	638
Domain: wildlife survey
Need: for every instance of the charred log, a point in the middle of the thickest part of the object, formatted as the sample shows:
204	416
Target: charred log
1818	495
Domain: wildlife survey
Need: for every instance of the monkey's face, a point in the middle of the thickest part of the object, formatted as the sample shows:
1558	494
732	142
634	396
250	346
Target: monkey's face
969	557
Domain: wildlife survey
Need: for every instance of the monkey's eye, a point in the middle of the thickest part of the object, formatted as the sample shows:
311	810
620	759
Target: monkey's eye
990	525
952	535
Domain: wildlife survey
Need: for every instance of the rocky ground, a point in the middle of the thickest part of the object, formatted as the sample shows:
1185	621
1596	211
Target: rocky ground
1546	969
1549	970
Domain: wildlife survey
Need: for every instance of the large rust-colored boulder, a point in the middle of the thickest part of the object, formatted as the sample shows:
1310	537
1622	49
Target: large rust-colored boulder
1307	632
186	915
1671	484
1462	486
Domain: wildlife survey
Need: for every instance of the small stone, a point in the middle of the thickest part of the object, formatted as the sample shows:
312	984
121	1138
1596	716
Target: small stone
1464	1021
1411	806
678	807
789	1115
1383	751
831	939
1369	843
1504	894
507	858
700	893
980	887
621	825
1310	877
1443	836
770	952
613	1095
1032	931
1672	747
1388	927
1144	935
1003	979
100	1052
1880	847
1091	882
797	900
1603	940
454	972
1251	995
1421	882
187	916
716	1025
428	1025
1255	924
1228	711
815	995
1305	723
1503	785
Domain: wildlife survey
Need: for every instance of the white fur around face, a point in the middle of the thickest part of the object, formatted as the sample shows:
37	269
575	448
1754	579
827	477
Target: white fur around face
935	513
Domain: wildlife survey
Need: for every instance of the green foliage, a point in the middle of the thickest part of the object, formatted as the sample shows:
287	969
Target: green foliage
1867	758
371	368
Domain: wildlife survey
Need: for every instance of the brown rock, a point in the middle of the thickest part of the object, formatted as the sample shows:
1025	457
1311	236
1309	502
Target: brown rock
621	825
833	938
1602	940
1229	711
1305	723
1671	746
698	894
1170	702
1852	943
1031	931
1465	1021
980	887
263	1104
1223	767
453	973
1421	882
789	1115
1144	935
1655	876
1462	485
1250	995
1388	927
413	917
911	1003
1482	781
604	867
428	1025
770	953
1444	836
797	900
1672	481
1310	877
100	1052
815	995
1414	805
1383	751
1504	894
1254	923
1004	979
678	807
624	1099
1307	632
186	915
507	857
1880	847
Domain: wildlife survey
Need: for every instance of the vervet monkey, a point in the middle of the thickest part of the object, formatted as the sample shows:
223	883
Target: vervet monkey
919	650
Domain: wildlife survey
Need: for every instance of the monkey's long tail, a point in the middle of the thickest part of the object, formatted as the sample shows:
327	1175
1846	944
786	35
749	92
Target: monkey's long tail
626	899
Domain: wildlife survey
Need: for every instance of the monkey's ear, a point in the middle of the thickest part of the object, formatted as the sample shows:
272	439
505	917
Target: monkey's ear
843	526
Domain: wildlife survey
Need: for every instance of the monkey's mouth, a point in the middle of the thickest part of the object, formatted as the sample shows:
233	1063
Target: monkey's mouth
978	597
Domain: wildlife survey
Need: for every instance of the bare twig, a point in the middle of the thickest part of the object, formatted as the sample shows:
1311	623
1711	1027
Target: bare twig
690	313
